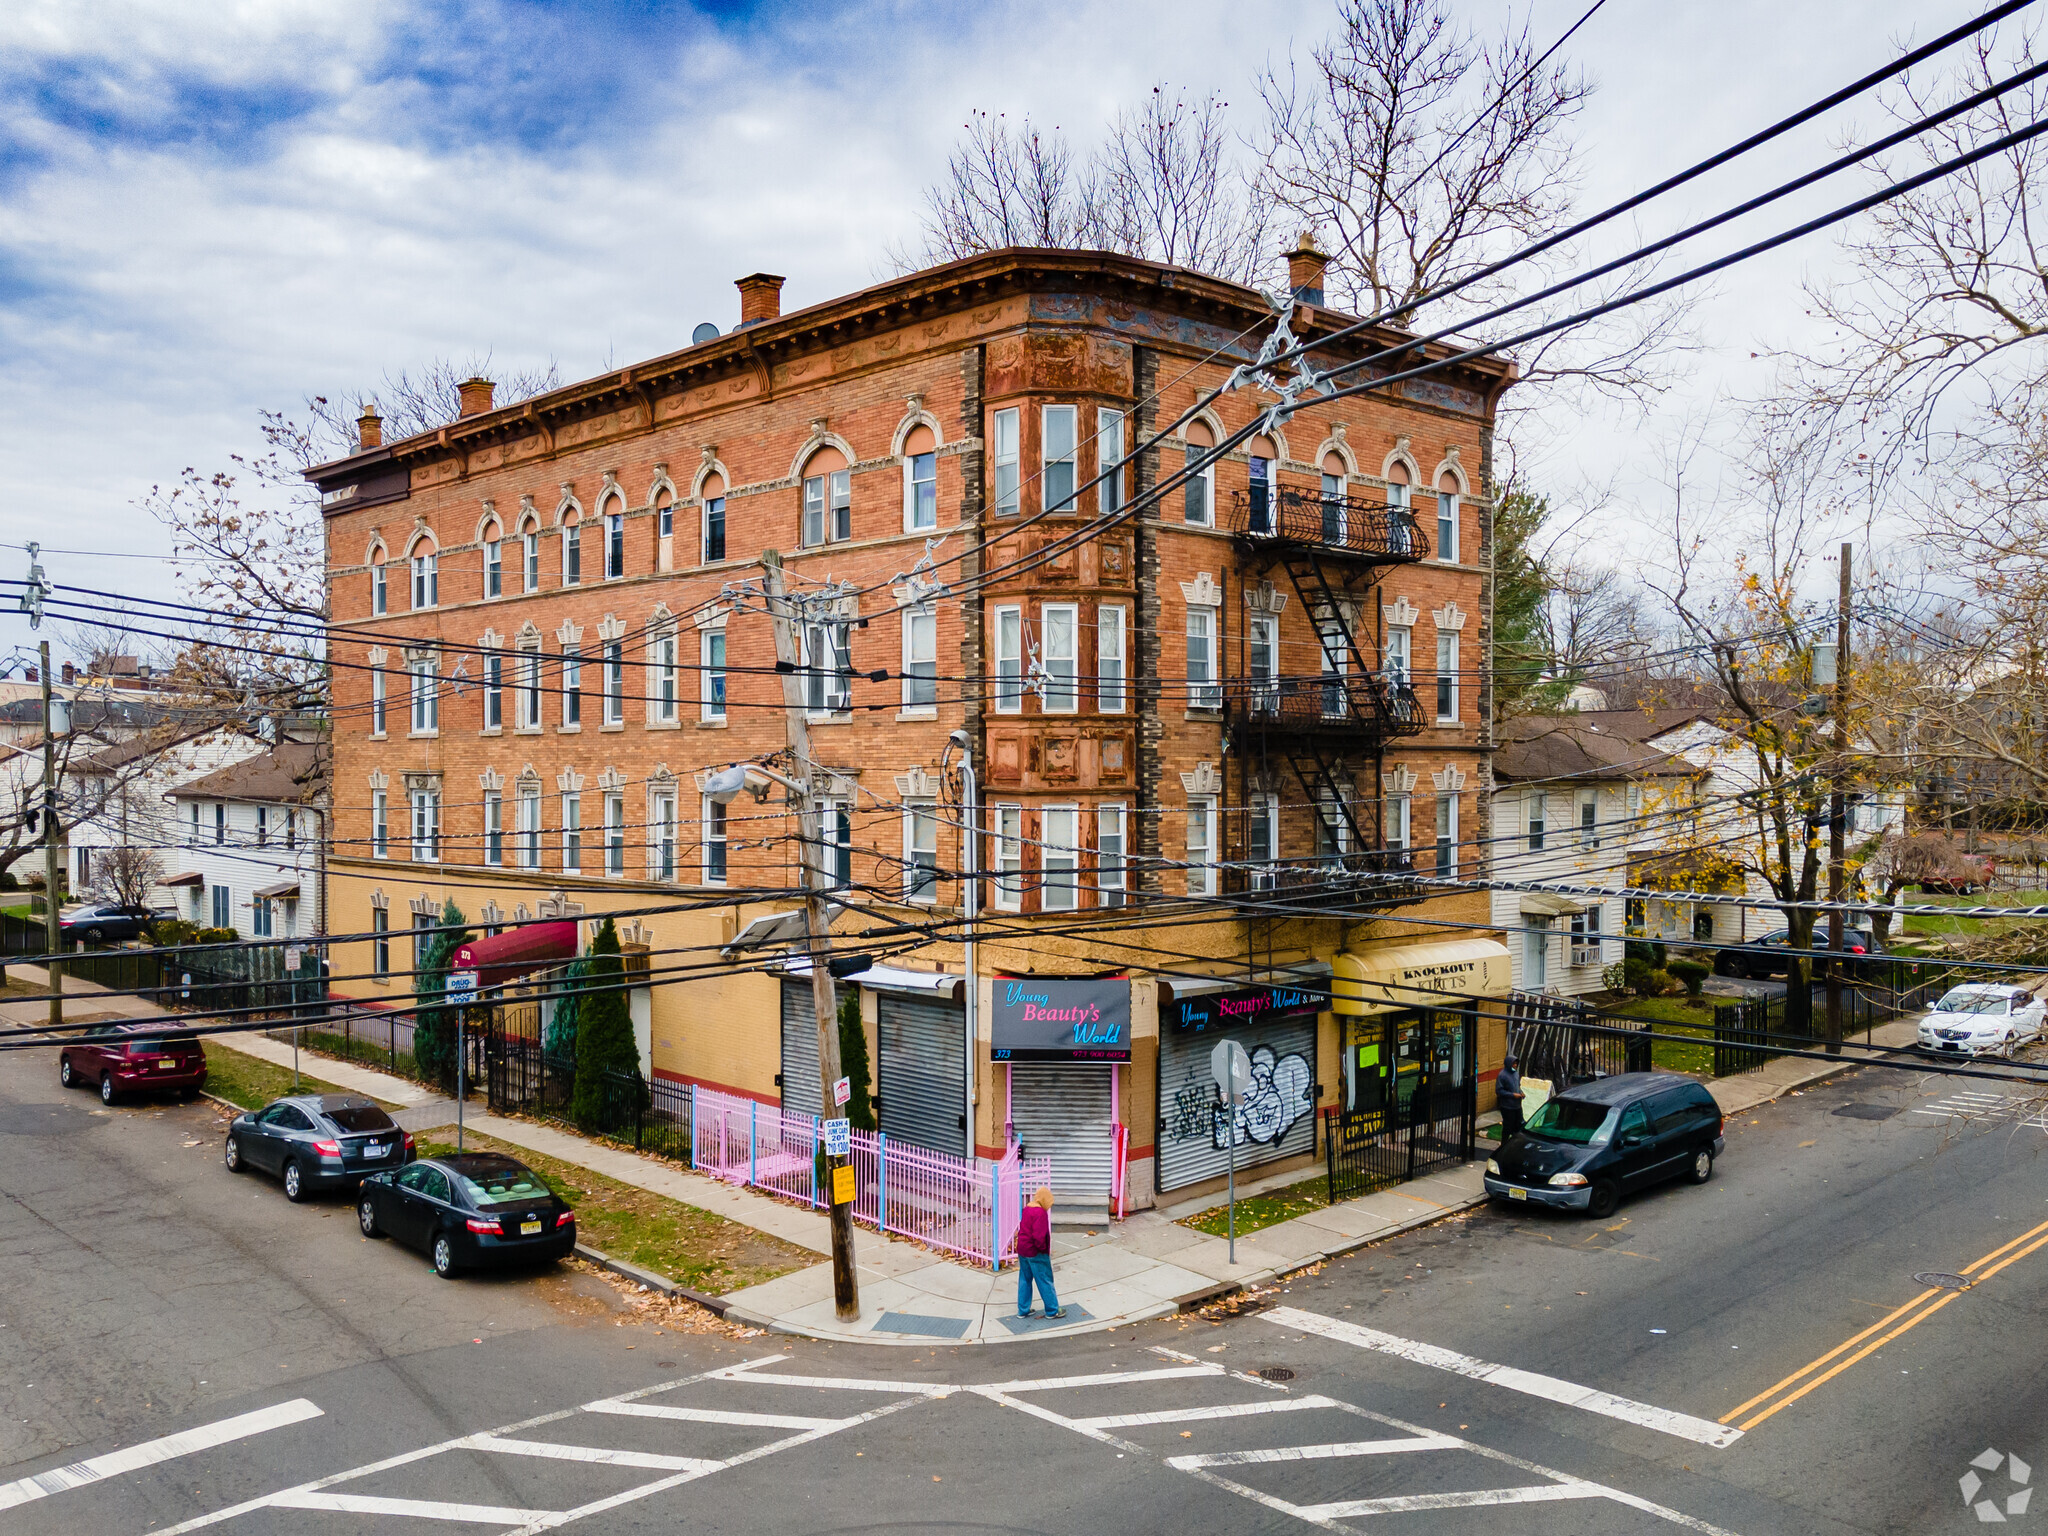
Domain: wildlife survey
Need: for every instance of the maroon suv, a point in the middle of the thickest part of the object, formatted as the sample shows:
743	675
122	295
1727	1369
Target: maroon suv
134	1058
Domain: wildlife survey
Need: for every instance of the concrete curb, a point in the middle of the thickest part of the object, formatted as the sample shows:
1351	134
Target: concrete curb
649	1279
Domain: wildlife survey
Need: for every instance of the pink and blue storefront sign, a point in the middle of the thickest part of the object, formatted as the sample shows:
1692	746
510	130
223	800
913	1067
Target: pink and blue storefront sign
1038	1018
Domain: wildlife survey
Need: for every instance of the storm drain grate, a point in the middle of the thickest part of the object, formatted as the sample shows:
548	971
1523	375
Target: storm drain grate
1942	1282
1276	1373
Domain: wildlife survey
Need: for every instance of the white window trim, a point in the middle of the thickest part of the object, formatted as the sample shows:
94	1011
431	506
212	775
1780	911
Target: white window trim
913	812
664	692
615	834
426	581
572	833
1071	458
379	705
614	544
1201	857
1398	659
1062	694
380	589
915	619
494	568
494	828
425	700
710	707
530	834
1206	693
661	835
1447	665
1109	449
1205	477
1009	688
1441	867
529	560
1112	690
1006	423
572	537
380	824
910	522
1007	826
1400	823
612	658
717	844
572	688
1059	856
1447	551
1112	876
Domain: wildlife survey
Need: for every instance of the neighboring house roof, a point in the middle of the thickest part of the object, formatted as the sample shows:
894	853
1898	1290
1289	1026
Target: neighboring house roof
1554	747
1631	724
291	773
88	714
127	753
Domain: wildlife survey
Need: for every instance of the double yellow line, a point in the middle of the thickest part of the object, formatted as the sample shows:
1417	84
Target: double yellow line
1975	1273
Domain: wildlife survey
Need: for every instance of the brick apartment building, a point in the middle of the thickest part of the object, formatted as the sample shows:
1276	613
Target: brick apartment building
1268	690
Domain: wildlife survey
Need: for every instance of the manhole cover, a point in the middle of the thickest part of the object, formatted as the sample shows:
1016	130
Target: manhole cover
1868	1111
1942	1282
1276	1373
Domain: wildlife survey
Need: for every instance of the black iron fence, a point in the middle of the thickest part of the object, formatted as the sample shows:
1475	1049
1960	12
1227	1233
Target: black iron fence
1414	1119
1752	1030
1561	1041
522	1076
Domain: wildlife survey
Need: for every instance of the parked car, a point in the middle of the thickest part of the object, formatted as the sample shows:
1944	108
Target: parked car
1974	872
1771	954
104	921
471	1210
317	1141
134	1058
1585	1148
1982	1018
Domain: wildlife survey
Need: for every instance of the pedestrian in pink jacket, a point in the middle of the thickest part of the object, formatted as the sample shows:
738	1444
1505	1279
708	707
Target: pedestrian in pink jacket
1034	1256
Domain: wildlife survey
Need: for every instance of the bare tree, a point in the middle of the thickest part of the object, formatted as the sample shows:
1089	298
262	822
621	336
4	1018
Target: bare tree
1898	858
1423	153
129	874
1006	185
1164	186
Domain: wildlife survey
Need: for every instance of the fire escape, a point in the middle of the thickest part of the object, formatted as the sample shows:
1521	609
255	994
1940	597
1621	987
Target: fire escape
1333	549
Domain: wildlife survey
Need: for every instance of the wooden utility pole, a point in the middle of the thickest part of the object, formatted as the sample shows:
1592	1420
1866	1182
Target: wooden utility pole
53	934
810	831
1838	814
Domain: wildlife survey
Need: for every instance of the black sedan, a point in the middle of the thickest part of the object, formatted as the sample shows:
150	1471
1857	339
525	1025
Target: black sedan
1588	1146
104	921
317	1141
469	1211
1771	953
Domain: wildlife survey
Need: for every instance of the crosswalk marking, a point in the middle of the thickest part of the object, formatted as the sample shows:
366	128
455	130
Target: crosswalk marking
1103	1379
1315	1452
424	1509
604	1456
1665	1420
513	1440
1216	1411
150	1452
714	1415
1476	1498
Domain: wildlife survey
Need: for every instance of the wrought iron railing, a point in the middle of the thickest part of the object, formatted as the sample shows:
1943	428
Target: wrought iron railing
1338	524
1346	704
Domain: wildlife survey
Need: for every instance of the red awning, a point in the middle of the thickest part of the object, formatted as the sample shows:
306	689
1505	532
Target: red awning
516	951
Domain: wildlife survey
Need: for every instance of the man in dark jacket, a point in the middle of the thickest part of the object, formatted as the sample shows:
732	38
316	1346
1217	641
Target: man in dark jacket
1507	1091
1034	1256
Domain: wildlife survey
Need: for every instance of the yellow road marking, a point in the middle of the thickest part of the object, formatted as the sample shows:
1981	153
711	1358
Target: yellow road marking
1887	1319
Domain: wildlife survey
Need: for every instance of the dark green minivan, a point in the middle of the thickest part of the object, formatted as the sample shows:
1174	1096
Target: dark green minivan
1585	1148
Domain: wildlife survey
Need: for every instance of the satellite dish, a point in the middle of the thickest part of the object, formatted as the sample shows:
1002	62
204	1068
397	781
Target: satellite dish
705	331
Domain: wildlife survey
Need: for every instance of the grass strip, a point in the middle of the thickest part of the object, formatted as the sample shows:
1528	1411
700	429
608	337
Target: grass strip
253	1082
692	1247
1264	1210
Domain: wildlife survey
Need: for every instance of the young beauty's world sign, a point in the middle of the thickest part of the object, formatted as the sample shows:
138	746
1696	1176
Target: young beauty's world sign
1047	1019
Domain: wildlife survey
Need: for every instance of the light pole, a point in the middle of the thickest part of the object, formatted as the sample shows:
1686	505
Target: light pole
722	788
970	860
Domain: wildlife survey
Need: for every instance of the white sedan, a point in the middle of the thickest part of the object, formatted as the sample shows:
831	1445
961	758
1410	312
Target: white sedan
1982	1018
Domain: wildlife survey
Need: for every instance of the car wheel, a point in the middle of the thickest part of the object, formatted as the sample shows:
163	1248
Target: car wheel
233	1154
444	1257
366	1217
65	1075
294	1183
107	1088
95	936
1605	1197
1702	1168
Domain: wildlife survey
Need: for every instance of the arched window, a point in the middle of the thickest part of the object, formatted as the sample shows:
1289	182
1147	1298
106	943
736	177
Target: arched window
529	555
920	480
1263	455
426	574
572	549
1447	518
1198	495
1334	489
494	560
828	498
713	496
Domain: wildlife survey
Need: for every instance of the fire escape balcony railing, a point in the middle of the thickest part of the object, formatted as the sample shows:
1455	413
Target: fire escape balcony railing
1343	704
1365	877
1333	525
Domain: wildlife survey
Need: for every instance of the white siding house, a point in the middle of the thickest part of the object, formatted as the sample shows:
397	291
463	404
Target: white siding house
117	798
1569	809
249	838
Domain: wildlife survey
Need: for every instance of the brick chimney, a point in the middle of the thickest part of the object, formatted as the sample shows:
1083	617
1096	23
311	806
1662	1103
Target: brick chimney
475	395
370	428
760	297
1305	269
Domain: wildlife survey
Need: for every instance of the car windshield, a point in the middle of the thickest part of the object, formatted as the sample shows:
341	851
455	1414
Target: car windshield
504	1186
1569	1120
1971	1002
360	1118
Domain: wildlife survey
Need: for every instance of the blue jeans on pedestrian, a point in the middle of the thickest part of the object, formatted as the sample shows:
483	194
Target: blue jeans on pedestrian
1035	1267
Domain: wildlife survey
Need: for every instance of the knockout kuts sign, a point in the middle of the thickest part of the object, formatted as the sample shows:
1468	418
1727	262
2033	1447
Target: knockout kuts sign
1047	1019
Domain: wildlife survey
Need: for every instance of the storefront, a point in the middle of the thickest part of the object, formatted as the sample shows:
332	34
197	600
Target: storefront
1407	1088
920	1056
1058	1045
1277	1025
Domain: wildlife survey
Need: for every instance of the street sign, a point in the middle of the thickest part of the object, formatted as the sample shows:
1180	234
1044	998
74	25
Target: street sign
461	988
839	1138
842	1090
1232	1069
294	956
842	1184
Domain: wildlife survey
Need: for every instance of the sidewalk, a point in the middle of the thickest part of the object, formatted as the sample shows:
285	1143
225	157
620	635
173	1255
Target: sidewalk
1146	1266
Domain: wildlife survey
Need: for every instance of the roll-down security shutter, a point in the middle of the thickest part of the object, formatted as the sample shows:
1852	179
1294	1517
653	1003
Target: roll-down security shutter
922	1077
1277	1119
799	1049
1062	1112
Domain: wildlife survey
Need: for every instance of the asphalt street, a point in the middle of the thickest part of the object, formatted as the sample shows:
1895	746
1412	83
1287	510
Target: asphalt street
181	1349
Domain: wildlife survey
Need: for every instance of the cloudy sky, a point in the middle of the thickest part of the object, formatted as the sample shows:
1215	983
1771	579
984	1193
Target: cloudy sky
211	208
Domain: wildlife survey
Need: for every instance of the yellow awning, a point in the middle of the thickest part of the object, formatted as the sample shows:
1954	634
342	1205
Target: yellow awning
1419	975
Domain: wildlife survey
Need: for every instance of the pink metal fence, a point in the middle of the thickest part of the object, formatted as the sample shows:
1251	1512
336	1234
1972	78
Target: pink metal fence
961	1205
